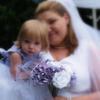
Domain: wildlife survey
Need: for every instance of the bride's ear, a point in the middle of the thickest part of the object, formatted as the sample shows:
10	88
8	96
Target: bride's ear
66	18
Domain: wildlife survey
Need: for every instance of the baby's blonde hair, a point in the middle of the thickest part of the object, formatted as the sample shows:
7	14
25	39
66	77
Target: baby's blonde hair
34	30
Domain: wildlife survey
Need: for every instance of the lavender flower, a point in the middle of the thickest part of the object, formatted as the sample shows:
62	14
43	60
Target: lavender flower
41	72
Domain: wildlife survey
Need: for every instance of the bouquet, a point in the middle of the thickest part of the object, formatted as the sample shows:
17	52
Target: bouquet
48	72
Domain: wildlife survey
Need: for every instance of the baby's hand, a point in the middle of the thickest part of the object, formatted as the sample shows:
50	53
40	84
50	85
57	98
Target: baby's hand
23	75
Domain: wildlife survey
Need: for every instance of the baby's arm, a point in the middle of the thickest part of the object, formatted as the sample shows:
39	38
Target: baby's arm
15	60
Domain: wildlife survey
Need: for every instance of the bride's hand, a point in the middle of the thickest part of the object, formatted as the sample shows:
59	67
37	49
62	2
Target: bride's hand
60	98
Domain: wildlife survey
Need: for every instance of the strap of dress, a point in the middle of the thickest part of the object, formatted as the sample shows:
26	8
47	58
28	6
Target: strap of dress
3	52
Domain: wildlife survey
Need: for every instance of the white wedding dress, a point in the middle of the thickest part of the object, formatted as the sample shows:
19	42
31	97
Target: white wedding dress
82	84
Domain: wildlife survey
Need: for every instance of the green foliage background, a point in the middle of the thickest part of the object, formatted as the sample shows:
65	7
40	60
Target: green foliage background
12	14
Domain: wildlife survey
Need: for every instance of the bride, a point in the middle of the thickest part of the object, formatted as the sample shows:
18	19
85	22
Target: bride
72	41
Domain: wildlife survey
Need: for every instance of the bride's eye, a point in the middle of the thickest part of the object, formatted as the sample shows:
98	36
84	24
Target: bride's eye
52	21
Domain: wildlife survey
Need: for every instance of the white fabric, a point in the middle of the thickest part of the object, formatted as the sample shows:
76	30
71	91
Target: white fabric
88	3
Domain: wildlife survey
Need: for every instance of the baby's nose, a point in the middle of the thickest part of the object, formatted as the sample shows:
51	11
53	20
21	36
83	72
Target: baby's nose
31	46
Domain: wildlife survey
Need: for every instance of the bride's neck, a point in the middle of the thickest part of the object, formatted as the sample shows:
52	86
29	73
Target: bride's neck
58	47
59	53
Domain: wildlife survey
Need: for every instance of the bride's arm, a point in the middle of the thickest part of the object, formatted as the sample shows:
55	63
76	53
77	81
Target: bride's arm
91	96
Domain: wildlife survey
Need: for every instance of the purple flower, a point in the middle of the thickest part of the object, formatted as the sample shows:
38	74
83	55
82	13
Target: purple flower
49	72
43	73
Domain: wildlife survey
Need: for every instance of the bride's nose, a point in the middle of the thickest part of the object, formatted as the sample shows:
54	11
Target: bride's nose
50	28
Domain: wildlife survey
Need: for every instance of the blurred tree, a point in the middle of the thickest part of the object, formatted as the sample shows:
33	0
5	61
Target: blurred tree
37	1
12	14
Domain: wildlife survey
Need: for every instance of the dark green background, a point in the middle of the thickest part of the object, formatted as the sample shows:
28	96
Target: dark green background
12	14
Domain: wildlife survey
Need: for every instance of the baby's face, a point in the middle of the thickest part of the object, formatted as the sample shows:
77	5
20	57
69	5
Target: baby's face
30	47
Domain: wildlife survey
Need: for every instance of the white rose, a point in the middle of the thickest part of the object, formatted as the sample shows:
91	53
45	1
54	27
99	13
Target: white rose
62	79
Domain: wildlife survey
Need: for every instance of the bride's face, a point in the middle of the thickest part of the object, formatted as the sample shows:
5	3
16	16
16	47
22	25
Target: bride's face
57	26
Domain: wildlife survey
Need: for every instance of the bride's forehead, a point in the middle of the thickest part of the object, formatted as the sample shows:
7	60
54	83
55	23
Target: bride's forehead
47	15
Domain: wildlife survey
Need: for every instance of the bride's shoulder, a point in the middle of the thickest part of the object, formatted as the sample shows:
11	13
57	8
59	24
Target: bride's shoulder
83	44
45	55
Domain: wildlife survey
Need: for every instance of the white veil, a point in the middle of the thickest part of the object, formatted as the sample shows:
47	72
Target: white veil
89	34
